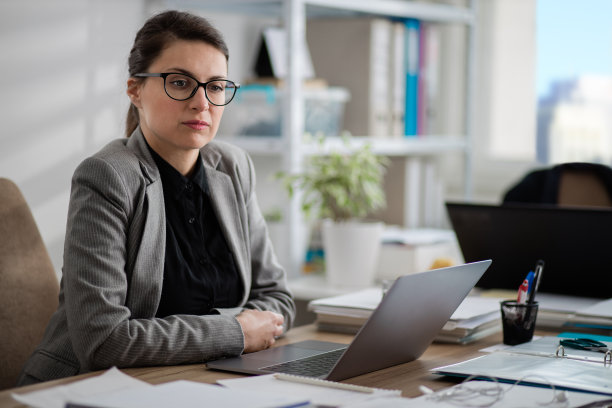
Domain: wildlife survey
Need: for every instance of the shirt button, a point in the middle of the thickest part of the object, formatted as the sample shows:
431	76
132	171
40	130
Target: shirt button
202	261
188	187
191	220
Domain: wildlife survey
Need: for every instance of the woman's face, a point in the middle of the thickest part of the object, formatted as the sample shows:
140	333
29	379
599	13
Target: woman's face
173	127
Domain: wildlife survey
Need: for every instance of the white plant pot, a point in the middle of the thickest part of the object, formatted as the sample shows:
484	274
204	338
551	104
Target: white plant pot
351	252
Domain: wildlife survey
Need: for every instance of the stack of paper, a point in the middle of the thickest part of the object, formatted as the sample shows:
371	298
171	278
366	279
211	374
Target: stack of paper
564	311
596	316
475	318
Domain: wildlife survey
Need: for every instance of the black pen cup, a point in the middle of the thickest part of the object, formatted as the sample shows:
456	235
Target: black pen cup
518	321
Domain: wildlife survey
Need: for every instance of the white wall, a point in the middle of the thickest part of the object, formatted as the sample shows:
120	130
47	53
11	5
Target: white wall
63	69
505	115
62	74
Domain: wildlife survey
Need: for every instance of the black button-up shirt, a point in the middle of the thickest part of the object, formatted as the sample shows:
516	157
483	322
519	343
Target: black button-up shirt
199	269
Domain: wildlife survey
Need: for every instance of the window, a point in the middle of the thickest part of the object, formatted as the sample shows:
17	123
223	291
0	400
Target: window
574	81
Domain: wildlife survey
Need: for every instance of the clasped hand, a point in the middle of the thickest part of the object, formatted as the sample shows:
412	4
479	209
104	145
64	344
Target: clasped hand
260	329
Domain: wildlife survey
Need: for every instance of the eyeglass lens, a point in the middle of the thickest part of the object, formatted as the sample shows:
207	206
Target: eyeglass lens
182	87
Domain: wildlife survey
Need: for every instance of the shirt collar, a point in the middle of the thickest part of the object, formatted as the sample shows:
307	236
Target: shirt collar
173	181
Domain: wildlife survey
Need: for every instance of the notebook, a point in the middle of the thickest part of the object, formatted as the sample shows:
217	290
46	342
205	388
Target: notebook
573	242
399	330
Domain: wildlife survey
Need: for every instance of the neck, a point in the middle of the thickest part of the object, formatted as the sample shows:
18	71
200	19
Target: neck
183	161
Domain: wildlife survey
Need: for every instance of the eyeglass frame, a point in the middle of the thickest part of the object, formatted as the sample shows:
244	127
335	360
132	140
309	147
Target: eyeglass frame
164	75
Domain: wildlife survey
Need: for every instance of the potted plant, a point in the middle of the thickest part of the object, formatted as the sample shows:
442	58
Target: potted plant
341	189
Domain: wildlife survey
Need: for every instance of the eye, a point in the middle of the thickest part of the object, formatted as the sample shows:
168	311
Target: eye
180	81
215	87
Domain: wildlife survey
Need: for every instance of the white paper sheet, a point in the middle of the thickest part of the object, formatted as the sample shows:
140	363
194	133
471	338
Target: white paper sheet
599	309
191	394
111	380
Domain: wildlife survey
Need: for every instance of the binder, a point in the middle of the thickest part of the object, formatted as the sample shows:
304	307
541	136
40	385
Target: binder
398	80
538	362
354	53
411	56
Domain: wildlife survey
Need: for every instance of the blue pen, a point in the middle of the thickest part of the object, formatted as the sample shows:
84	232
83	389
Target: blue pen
536	280
529	278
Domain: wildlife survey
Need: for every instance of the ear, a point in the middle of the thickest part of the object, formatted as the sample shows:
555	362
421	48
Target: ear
133	91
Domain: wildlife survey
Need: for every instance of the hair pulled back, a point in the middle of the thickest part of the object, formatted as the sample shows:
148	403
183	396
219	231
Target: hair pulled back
156	34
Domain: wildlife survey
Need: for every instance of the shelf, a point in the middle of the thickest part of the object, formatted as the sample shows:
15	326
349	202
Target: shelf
422	145
431	12
421	191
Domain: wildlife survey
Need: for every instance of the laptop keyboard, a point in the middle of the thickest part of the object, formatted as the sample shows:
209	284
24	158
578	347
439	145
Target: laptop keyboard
314	366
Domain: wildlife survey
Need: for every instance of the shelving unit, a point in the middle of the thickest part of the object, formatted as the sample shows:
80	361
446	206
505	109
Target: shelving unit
291	147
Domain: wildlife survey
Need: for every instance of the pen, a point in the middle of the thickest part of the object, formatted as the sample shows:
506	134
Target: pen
524	288
536	280
323	383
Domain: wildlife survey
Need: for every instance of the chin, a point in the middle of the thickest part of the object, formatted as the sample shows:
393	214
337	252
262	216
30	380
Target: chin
199	140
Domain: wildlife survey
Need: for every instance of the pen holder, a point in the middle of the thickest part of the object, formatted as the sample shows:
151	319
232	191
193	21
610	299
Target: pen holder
518	321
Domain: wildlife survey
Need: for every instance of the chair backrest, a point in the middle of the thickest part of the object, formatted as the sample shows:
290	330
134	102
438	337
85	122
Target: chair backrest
567	184
28	285
582	188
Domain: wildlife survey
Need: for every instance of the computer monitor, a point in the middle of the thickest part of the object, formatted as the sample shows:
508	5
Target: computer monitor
575	243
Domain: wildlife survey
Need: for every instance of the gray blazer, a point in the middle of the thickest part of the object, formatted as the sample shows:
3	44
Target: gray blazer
114	265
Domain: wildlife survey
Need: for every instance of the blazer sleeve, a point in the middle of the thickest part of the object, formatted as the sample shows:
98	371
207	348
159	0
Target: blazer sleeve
98	284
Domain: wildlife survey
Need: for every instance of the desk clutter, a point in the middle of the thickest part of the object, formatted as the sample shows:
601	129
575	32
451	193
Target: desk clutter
114	389
475	318
493	394
542	362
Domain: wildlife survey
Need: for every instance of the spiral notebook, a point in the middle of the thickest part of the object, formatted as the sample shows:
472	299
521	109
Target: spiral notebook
539	363
319	392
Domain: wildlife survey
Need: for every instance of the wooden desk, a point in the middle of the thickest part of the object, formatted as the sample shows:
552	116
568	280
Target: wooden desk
406	377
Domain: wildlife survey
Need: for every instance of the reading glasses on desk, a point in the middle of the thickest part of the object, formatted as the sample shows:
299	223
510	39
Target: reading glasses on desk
585	344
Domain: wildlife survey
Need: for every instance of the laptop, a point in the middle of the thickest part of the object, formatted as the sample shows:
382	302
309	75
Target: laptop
575	244
399	330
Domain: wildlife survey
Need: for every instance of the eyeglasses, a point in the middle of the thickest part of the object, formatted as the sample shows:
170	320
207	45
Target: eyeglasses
181	87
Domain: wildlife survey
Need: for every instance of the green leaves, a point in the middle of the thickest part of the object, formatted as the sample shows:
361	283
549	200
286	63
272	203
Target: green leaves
340	186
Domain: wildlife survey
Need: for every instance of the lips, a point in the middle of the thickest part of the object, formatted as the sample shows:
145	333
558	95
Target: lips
196	124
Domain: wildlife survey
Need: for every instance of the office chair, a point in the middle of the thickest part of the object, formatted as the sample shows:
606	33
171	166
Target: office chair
567	184
28	285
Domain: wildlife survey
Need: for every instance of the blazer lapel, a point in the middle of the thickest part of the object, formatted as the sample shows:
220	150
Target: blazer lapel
224	201
149	243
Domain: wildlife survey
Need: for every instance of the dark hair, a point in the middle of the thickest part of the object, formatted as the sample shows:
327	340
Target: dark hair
156	34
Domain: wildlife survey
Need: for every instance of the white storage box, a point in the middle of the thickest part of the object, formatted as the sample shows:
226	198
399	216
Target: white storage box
257	111
415	250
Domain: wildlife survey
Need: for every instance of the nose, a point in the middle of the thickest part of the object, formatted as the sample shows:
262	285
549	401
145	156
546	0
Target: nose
199	100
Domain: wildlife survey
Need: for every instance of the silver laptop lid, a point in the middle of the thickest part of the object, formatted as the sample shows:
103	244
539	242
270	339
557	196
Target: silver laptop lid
408	318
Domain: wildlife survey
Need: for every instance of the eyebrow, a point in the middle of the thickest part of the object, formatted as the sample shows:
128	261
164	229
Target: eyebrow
185	71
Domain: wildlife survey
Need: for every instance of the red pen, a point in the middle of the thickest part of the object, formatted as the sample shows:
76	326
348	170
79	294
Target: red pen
522	292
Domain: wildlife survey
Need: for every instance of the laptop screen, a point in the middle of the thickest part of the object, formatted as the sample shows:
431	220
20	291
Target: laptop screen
575	243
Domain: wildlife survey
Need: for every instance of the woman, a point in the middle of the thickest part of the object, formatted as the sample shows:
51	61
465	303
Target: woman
167	258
